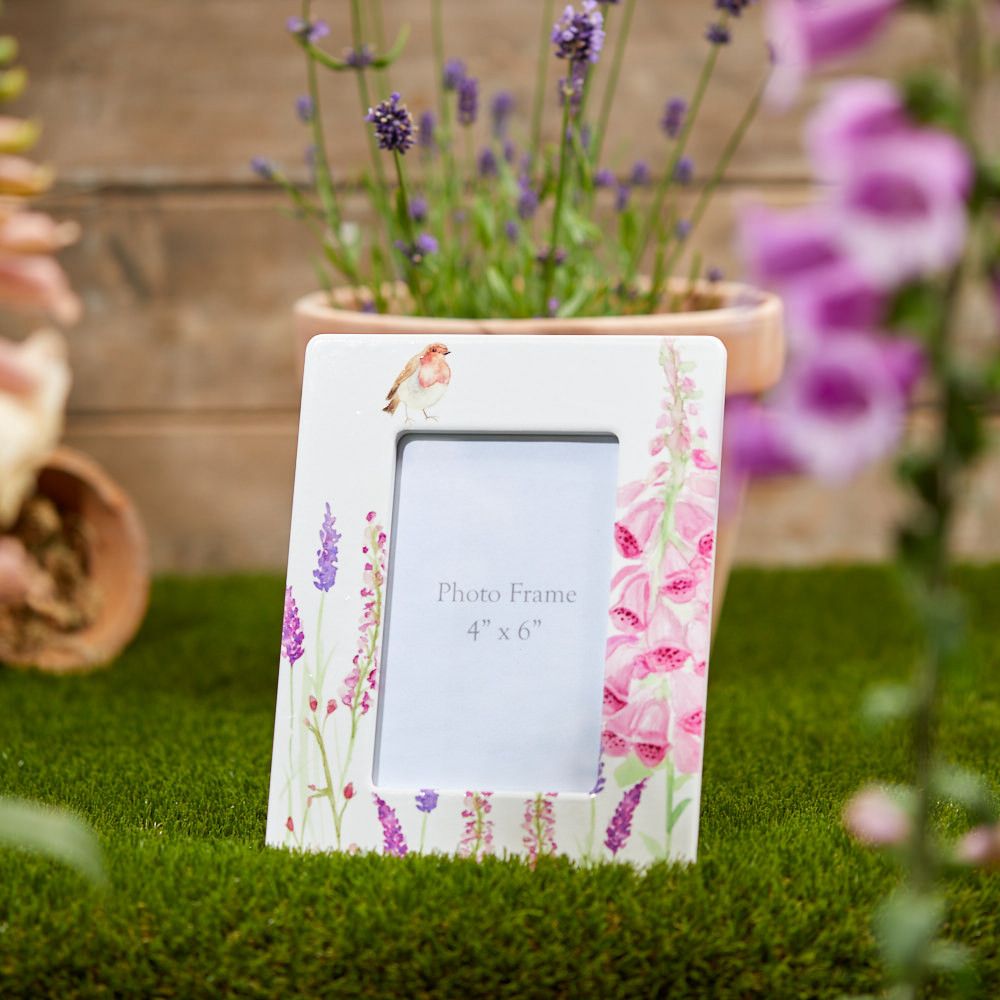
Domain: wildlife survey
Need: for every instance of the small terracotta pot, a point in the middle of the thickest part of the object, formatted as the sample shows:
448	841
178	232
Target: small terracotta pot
749	323
118	558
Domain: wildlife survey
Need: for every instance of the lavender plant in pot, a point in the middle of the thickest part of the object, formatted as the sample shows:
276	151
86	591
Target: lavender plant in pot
484	230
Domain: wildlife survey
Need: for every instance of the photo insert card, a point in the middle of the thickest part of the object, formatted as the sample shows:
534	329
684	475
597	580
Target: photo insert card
493	663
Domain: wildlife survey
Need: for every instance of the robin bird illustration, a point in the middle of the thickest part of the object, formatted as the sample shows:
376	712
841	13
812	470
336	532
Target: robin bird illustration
421	383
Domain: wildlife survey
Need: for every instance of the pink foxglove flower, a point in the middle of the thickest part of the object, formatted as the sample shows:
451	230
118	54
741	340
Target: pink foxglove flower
539	827
477	835
643	726
691	520
898	221
634	530
755	440
875	818
807	34
630	612
839	408
687	700
853	114
783	247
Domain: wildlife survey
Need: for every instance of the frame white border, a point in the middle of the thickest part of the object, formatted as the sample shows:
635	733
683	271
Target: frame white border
663	399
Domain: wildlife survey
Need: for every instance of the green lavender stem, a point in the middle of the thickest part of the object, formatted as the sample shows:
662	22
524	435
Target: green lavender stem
659	197
612	85
550	260
708	190
541	80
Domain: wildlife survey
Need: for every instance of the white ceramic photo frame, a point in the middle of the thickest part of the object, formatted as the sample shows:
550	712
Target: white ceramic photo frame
499	597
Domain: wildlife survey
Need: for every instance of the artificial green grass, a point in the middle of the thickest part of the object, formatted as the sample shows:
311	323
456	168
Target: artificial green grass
167	754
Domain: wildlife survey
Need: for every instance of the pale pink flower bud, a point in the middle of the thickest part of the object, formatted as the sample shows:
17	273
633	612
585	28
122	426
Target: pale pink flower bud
875	818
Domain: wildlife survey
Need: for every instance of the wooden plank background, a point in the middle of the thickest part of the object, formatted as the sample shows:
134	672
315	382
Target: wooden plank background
184	376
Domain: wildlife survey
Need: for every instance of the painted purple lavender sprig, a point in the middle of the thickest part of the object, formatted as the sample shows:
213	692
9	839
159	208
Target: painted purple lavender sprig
325	573
427	801
292	636
620	828
393	841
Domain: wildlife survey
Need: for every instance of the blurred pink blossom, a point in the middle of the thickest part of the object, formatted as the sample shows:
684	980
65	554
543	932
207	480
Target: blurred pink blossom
901	205
980	846
853	113
807	34
875	818
839	408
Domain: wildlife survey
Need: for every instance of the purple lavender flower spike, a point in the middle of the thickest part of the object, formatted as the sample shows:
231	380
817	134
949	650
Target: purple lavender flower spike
604	178
418	208
307	31
640	173
262	167
553	306
305	108
426	244
622	196
454	74
325	573
527	202
714	275
620	827
601	780
718	34
468	100
673	117
684	171
427	800
512	230
426	130
734	7
359	58
487	163
393	125
579	36
501	108
292	636
683	229
393	841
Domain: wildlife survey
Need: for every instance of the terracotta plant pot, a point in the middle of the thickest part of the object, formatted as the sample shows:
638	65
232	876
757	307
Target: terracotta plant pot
749	323
118	558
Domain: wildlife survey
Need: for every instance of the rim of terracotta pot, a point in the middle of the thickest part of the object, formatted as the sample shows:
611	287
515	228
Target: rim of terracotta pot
119	564
750	324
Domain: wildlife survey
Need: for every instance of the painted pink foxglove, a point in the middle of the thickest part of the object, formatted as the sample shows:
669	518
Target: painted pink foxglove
634	530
